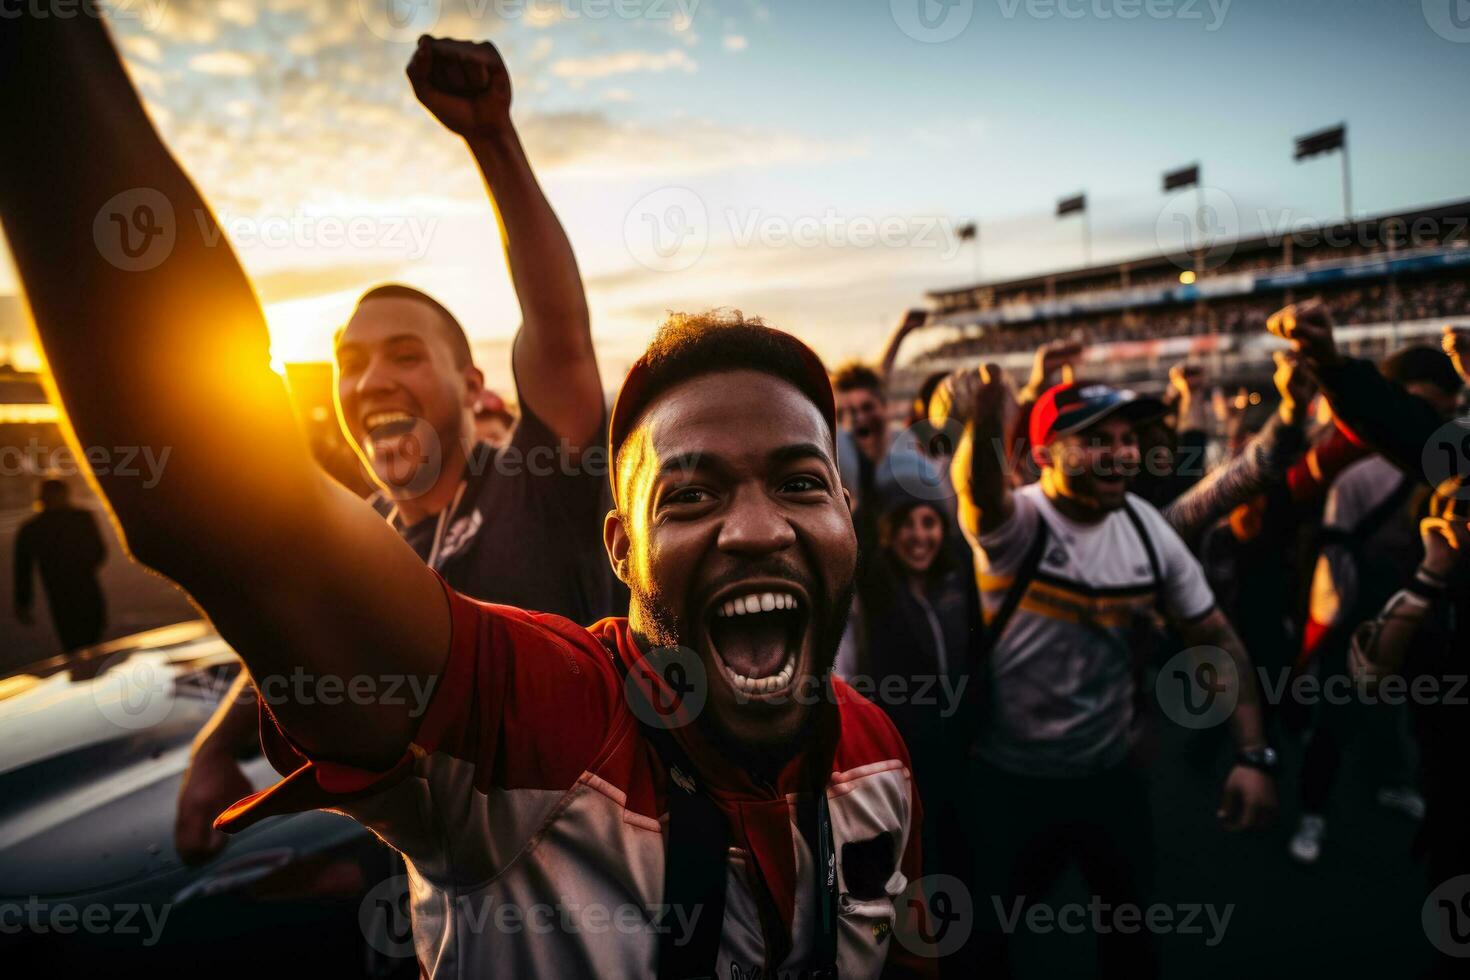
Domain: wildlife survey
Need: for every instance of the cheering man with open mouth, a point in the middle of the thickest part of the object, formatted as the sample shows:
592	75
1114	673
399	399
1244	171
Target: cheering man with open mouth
687	792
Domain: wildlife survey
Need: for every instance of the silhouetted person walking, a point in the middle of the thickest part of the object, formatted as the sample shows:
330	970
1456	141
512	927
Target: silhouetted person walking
63	542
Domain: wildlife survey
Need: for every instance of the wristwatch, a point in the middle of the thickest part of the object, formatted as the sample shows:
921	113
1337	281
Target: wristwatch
1264	759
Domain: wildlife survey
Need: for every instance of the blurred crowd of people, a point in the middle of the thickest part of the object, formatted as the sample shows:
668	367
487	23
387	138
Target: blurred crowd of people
1324	533
1378	303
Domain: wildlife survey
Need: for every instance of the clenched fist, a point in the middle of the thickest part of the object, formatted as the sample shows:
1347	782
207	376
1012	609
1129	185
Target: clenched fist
1457	344
1295	386
463	83
978	393
1308	328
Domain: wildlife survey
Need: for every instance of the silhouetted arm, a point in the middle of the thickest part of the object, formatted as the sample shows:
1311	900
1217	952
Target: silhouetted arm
467	87
157	340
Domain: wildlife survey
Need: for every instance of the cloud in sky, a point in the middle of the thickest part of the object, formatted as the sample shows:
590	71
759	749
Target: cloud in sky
623	63
228	63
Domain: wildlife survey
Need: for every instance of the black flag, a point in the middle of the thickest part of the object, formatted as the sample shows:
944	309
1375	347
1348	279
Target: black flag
1187	177
1071	205
1324	141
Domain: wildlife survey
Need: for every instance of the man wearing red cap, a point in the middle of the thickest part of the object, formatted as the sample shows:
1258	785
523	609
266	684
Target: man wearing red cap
687	792
1071	570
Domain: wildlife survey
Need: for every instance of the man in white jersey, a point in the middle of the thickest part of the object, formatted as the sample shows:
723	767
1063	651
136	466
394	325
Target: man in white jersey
1070	571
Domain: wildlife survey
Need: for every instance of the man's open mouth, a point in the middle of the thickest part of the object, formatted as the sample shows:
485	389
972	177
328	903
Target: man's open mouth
388	424
757	634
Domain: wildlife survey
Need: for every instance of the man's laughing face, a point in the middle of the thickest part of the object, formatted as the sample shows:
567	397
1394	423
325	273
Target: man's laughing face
736	540
400	394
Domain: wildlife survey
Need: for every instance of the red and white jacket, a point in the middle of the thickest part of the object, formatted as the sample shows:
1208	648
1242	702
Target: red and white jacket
530	788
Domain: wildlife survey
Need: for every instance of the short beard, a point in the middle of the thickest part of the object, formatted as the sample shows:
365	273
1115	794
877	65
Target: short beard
658	624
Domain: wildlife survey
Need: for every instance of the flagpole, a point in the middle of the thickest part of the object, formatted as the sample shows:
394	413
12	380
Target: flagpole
1347	180
1086	236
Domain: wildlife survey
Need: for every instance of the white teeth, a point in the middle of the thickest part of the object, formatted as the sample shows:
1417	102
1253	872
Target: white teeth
754	603
757	602
761	685
383	418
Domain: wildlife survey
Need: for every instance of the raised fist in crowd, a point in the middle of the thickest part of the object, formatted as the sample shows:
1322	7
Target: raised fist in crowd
463	83
1308	328
1054	364
1456	343
1295	386
978	393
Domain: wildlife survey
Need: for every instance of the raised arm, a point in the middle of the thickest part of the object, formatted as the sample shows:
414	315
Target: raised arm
1417	616
912	320
154	338
1262	463
979	468
1373	408
467	88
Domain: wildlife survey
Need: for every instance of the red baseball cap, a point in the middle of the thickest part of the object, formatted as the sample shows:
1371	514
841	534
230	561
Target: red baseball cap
489	403
1073	407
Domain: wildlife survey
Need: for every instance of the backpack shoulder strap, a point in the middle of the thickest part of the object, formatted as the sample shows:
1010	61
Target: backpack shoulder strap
1024	574
1148	545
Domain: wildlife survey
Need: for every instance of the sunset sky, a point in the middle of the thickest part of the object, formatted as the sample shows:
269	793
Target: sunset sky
806	160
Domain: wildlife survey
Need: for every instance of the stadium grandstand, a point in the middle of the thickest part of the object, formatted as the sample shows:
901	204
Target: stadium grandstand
1388	279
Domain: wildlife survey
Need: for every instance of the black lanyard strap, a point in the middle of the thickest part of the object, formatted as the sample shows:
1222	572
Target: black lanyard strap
815	821
695	855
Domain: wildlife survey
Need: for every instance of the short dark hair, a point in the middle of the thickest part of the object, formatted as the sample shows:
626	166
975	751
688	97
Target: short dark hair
51	491
1421	362
459	342
857	376
688	345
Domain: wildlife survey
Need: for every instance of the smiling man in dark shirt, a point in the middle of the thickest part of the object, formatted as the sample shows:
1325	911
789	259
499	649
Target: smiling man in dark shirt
520	525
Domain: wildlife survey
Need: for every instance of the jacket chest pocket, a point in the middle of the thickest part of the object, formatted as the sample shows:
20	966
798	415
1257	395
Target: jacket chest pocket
868	879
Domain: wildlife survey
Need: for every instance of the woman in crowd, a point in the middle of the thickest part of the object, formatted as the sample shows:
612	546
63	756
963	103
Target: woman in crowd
921	619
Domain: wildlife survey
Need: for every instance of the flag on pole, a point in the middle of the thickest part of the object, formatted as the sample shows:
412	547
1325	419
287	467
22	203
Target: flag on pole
1071	205
1323	141
967	233
1186	177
